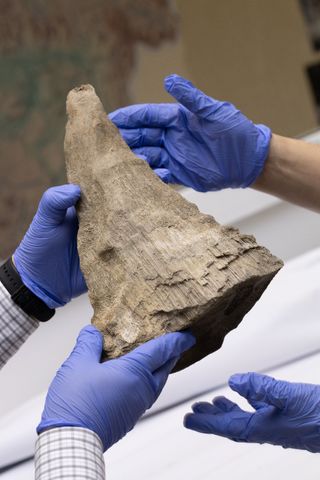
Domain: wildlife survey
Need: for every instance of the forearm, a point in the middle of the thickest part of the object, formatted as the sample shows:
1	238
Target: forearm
15	326
292	172
70	453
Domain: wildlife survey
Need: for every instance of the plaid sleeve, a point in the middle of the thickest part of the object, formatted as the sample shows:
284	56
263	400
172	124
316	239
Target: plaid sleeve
15	326
69	453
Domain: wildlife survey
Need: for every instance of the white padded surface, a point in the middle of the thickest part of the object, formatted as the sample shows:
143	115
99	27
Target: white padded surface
283	326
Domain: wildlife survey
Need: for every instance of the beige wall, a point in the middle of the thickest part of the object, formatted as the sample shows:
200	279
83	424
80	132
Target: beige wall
250	52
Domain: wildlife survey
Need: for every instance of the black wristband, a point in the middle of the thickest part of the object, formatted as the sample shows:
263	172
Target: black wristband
21	295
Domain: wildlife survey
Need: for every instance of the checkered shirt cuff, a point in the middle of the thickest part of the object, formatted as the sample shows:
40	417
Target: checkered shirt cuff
69	453
15	326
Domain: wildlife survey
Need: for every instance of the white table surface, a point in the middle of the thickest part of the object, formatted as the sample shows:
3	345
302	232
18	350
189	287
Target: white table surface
281	327
280	335
161	448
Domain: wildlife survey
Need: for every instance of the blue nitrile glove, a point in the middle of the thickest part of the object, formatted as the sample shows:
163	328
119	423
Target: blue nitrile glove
109	398
47	258
286	414
200	142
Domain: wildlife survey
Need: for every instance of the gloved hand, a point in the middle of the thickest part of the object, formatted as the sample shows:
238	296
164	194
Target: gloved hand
47	258
109	398
286	414
200	142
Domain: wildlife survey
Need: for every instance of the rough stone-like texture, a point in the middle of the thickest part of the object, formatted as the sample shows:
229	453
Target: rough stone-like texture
153	263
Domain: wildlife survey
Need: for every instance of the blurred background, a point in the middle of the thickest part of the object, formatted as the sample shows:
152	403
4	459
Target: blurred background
261	55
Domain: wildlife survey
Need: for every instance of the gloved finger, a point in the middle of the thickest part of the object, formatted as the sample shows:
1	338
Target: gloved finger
260	388
155	115
165	175
157	352
71	215
223	404
71	220
199	422
256	404
89	344
161	374
157	157
55	203
140	137
205	407
143	157
231	425
190	97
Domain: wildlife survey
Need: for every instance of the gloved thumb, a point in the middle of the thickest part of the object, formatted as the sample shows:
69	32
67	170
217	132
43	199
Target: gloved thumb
55	203
89	345
155	353
190	97
164	174
260	388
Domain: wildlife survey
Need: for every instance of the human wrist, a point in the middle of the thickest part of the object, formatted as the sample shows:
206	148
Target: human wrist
33	281
46	425
71	428
260	155
22	295
49	424
278	170
274	160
